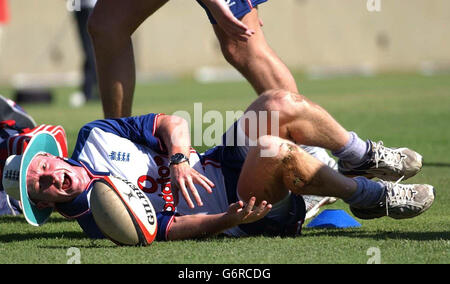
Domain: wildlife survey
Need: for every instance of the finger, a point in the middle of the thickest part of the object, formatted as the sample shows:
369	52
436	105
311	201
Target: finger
203	178
202	183
261	207
237	25
207	180
266	210
238	35
238	31
250	32
262	210
236	206
241	28
194	191
185	194
242	36
250	205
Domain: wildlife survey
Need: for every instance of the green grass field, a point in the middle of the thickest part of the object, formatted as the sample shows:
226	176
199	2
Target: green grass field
400	109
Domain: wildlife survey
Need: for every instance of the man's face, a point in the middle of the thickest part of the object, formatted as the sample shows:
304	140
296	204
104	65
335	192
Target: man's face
52	180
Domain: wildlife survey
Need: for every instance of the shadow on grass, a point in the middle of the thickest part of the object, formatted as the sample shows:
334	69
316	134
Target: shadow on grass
380	235
29	236
21	219
60	236
92	244
438	165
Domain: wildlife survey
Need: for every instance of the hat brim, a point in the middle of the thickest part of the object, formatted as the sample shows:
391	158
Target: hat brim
42	142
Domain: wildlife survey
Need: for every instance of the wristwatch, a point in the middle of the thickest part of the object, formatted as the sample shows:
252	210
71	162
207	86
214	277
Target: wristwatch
178	158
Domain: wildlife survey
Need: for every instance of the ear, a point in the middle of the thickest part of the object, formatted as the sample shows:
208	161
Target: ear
45	204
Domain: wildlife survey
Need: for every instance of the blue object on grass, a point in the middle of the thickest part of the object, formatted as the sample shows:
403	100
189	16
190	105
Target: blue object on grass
334	218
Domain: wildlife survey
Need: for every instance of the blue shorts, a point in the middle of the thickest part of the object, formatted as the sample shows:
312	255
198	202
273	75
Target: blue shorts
287	223
240	8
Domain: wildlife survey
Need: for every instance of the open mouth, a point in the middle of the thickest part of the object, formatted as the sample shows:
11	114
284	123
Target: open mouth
67	183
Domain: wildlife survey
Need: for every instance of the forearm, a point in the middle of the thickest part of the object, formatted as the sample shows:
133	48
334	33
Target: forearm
194	226
198	226
175	134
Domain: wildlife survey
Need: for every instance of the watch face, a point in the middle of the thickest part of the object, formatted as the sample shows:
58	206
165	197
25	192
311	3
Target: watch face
177	158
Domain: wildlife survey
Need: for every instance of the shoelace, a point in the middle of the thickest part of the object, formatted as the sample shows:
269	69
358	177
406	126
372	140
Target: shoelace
399	196
390	157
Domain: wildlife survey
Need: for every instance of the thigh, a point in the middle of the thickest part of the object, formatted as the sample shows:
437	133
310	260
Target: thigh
125	16
255	59
256	41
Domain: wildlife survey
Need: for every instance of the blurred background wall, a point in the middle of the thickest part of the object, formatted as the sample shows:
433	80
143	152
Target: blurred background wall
317	36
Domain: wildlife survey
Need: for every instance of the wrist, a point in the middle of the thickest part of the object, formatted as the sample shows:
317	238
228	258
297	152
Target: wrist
231	220
178	158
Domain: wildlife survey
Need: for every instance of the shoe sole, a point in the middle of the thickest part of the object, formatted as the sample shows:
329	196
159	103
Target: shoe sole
315	209
385	174
382	174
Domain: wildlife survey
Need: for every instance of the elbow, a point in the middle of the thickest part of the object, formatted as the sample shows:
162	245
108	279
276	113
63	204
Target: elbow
173	120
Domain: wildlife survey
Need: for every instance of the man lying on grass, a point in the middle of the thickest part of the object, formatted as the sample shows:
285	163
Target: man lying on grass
243	187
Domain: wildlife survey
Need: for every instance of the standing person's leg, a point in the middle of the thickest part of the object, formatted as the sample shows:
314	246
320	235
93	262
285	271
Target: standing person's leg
255	59
111	25
89	72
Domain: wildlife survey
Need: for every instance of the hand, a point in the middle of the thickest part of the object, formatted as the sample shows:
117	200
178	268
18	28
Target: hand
227	21
181	175
243	214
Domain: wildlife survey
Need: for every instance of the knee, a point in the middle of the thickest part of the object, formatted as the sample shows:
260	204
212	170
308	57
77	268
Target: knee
278	149
242	54
288	162
286	103
271	147
233	54
292	167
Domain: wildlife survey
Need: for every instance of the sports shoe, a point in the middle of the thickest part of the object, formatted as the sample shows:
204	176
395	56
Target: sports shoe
401	201
313	204
9	110
385	163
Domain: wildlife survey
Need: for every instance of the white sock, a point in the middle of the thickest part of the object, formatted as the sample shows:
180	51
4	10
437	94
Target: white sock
355	151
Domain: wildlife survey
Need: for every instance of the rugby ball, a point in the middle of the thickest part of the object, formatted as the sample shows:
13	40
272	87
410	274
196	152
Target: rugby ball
123	213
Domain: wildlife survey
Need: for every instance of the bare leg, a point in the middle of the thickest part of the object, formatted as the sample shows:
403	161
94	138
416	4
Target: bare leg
294	170
111	25
300	120
291	169
254	58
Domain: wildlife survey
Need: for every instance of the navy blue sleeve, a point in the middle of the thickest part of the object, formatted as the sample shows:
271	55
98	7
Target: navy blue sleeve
79	210
138	129
90	228
165	220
